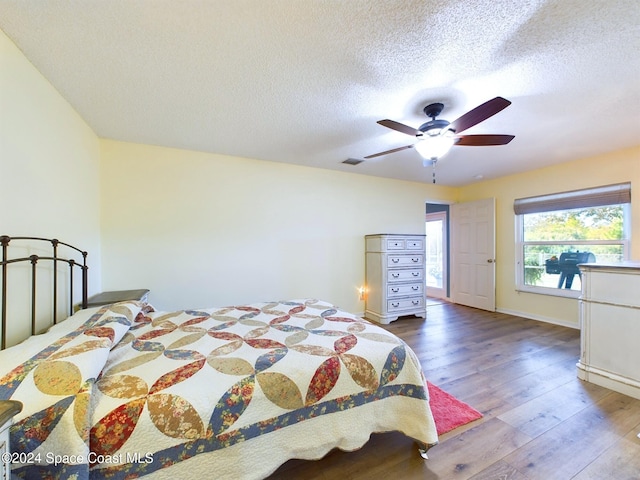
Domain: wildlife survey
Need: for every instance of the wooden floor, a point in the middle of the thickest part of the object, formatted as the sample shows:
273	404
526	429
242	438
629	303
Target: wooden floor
540	421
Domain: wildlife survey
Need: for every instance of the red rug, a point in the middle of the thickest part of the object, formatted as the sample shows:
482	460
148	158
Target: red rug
448	411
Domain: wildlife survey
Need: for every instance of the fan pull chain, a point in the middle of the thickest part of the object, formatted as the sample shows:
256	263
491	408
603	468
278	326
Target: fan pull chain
435	160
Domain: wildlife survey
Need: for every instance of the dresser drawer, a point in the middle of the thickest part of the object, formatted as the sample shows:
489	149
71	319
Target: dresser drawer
395	244
417	244
405	275
404	290
405	260
405	304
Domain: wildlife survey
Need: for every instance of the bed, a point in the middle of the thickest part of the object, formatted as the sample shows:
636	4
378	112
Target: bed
125	391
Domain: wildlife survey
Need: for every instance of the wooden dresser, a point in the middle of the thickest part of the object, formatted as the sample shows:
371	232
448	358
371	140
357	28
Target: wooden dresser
395	276
610	326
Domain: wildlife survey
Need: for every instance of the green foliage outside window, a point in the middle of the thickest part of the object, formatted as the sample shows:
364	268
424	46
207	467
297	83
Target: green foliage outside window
564	227
598	223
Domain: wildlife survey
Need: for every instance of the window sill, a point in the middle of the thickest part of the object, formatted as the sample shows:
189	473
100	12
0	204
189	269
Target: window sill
553	292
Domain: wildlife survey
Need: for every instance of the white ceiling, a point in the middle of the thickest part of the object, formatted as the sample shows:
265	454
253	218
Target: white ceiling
304	81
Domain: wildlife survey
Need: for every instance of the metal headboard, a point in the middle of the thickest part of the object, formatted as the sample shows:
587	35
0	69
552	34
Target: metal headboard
34	259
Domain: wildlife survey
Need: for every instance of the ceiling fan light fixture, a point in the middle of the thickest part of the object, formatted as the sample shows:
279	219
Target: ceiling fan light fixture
434	144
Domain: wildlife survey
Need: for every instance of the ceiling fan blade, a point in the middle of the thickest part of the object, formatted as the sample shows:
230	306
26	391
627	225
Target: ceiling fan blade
400	127
483	140
479	114
389	151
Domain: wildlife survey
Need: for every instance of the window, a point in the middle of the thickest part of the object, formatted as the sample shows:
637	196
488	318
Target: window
554	233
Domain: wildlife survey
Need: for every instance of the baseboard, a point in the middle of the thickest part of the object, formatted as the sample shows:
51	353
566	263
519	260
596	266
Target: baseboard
539	318
516	313
612	381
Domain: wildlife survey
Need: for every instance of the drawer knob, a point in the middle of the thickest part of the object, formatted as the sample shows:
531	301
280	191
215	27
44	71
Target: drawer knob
395	260
415	274
415	288
415	260
416	302
395	290
395	275
395	305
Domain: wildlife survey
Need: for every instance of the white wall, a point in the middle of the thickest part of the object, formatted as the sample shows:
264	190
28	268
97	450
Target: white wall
49	163
208	230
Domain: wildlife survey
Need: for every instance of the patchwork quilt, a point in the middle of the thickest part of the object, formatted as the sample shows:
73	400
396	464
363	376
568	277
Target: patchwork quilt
127	391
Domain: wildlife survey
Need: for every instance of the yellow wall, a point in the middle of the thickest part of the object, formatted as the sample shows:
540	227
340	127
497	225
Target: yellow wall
49	163
204	230
618	167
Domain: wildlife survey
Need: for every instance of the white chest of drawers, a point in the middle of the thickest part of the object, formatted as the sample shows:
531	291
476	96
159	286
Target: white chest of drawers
610	326
8	408
395	276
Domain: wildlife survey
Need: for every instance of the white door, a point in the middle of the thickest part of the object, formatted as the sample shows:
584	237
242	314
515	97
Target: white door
436	248
473	273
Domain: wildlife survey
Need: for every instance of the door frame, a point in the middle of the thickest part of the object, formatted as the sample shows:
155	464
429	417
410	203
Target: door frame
436	292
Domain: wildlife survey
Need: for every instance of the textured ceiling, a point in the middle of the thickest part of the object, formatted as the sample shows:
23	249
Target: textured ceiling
304	81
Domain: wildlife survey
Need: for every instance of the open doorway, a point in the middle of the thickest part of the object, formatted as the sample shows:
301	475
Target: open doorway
437	250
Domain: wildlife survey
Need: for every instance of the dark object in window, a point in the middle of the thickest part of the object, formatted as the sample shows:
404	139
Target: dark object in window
567	266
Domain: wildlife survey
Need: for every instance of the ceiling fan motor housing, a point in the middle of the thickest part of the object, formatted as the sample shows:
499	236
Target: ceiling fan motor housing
433	110
436	125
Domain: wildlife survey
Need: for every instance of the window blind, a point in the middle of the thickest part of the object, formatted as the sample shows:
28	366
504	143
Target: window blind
592	197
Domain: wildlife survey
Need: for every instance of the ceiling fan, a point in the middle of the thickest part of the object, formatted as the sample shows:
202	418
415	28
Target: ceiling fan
436	137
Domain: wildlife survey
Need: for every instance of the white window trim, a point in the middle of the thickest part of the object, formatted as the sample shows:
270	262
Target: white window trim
563	292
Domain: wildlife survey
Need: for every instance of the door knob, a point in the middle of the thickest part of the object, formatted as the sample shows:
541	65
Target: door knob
490	260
